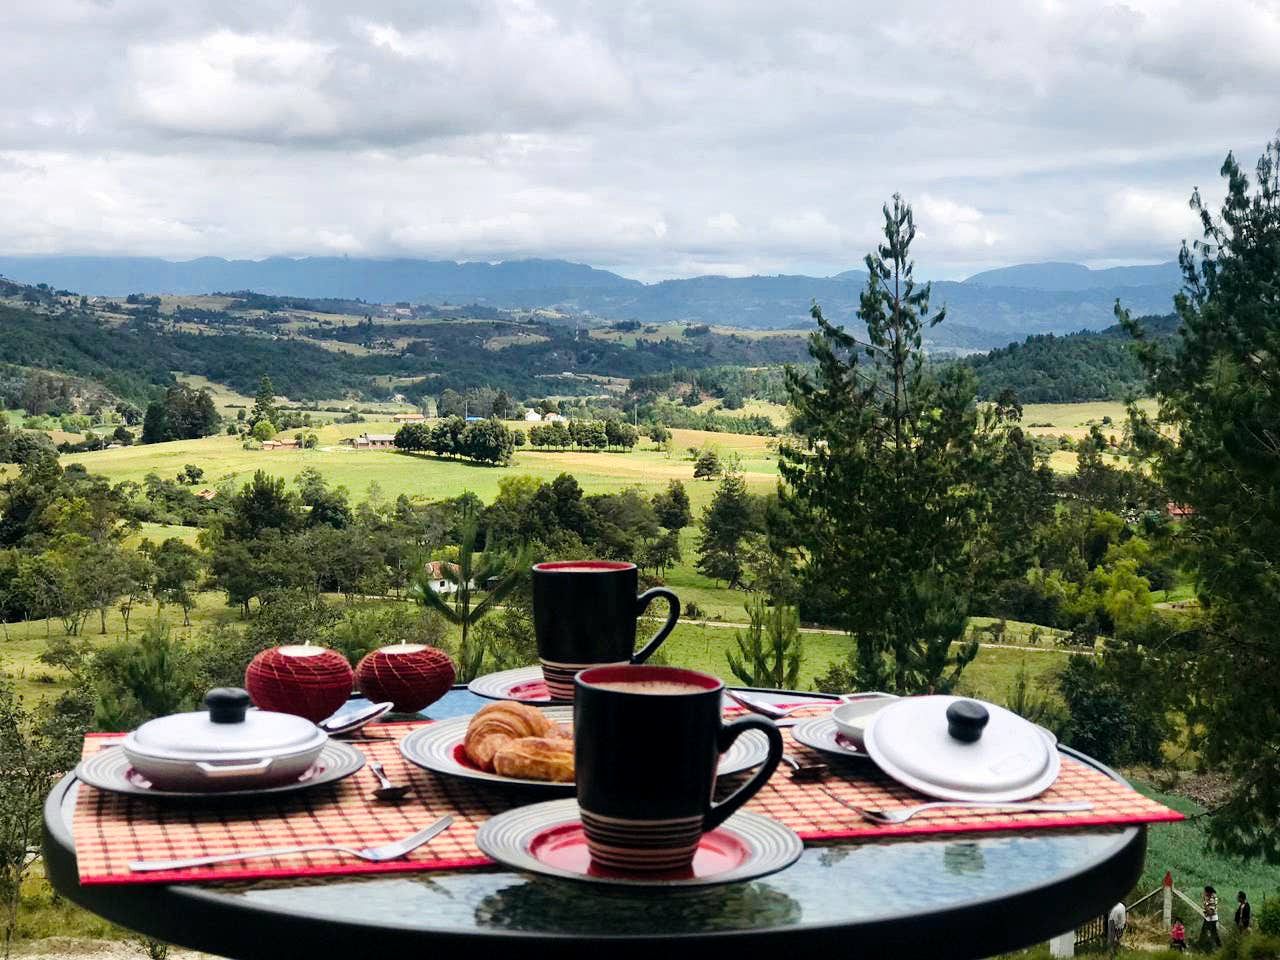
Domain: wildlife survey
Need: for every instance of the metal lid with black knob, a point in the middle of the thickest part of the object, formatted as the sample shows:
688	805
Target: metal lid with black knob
225	745
956	748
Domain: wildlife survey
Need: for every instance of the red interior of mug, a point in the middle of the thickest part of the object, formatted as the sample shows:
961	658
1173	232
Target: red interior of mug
641	673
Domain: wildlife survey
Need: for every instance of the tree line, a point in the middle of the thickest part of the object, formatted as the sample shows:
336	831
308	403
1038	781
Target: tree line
584	434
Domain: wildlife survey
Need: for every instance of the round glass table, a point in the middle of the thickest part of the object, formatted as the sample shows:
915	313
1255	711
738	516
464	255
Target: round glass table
960	897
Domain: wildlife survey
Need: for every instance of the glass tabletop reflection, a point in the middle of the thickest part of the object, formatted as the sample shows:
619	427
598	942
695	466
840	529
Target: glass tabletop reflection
829	884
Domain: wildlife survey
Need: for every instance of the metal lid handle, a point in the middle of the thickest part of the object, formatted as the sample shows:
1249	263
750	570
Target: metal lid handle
966	719
227	704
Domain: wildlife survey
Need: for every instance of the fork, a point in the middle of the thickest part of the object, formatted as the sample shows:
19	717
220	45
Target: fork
388	851
903	814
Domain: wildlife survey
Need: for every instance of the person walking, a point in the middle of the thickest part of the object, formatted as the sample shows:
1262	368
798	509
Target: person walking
1209	930
1244	913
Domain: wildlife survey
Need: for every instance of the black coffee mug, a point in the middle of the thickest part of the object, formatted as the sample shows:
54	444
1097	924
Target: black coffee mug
584	614
647	741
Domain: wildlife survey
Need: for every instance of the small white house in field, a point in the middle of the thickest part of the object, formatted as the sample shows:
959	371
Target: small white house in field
554	418
436	579
533	416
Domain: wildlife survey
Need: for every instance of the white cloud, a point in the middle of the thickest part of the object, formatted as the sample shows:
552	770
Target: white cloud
659	138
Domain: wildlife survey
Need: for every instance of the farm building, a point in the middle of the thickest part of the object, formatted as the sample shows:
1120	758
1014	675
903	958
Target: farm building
533	416
281	444
437	579
409	417
372	441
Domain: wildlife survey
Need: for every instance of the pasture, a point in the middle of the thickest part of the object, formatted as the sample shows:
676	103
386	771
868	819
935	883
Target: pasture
1074	419
224	459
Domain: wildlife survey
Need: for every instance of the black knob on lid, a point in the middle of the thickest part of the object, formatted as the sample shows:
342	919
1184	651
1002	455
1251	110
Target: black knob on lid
965	720
227	704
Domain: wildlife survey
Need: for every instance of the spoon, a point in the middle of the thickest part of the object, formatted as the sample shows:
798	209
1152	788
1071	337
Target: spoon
387	790
349	721
805	770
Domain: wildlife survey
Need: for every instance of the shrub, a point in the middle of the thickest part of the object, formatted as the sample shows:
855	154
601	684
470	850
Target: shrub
1115	712
1269	916
364	629
134	681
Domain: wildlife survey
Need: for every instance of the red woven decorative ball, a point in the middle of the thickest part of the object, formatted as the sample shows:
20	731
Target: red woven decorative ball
311	682
410	675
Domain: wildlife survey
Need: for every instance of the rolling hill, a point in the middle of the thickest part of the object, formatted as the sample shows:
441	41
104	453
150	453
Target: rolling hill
985	311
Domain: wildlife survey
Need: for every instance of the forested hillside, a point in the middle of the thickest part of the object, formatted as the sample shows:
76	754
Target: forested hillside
316	351
1068	369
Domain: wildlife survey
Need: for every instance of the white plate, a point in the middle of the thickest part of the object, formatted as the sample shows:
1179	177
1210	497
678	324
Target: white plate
436	745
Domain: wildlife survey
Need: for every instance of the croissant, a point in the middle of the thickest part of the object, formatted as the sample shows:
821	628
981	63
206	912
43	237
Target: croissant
536	758
496	725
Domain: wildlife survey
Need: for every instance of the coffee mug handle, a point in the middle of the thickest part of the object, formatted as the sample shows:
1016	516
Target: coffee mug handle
673	615
730	732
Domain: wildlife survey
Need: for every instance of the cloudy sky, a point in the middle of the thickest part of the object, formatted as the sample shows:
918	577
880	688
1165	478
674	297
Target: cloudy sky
657	139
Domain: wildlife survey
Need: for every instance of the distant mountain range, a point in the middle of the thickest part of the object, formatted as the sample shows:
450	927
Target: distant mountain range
986	310
1076	277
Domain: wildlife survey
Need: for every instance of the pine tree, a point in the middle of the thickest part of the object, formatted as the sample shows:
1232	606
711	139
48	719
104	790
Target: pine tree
708	466
726	521
769	653
264	404
1214	446
885	495
672	506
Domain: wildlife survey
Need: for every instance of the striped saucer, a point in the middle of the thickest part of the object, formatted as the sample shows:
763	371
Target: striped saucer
525	684
821	733
547	838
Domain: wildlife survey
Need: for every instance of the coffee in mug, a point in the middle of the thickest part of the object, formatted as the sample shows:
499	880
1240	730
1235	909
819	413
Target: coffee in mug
647	742
584	614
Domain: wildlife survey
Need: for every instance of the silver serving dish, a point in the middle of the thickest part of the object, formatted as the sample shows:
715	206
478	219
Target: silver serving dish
224	747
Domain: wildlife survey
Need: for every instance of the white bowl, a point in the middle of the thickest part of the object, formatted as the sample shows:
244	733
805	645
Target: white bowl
852	718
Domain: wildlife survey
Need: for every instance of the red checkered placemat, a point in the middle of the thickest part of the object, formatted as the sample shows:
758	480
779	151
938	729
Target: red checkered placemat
110	830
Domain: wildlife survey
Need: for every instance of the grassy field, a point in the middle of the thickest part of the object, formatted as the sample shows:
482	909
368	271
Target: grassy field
228	401
776	412
1181	848
1074	419
224	459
